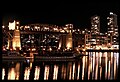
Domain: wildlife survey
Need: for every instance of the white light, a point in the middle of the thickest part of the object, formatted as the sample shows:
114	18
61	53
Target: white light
111	13
55	29
12	25
17	22
73	30
77	49
3	26
108	34
65	28
33	49
66	25
50	49
108	18
28	41
28	26
63	31
43	48
35	27
56	41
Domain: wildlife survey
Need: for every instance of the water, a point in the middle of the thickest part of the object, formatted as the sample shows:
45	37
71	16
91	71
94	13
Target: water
96	66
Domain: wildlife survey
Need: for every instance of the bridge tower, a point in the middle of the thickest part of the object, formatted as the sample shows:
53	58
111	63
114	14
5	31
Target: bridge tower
69	36
66	39
15	42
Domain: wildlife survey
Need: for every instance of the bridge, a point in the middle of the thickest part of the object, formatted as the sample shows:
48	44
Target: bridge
14	39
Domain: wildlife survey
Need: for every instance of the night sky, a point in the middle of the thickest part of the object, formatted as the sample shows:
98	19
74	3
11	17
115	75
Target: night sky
61	14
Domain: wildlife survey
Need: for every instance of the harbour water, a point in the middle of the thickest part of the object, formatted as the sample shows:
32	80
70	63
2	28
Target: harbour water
95	66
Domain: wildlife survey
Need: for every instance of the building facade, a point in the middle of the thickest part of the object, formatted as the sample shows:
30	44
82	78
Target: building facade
113	34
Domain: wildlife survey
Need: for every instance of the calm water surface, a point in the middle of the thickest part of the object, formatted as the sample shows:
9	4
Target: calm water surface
96	66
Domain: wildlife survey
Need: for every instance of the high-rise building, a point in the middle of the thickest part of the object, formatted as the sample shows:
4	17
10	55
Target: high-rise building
113	34
14	36
95	30
95	25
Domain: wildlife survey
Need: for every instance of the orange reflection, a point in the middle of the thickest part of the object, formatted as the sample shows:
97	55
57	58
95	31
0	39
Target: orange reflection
27	73
114	68
100	57
89	67
46	72
109	71
111	62
30	65
83	67
96	70
78	71
93	65
63	71
37	72
70	72
55	74
106	59
100	72
11	74
73	71
17	69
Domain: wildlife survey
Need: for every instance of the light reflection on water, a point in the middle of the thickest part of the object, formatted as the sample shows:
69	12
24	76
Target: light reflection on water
70	72
83	67
27	73
11	74
46	73
55	74
97	65
3	73
78	76
37	73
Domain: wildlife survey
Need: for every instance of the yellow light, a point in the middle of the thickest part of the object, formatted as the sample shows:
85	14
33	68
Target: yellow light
17	22
3	26
65	28
63	31
50	49
33	49
29	48
77	49
11	74
30	65
84	49
16	40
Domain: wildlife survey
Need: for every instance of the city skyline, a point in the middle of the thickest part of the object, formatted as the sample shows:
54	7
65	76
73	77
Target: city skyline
61	42
77	14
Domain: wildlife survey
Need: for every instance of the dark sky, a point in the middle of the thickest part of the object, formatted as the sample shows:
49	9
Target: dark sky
60	14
